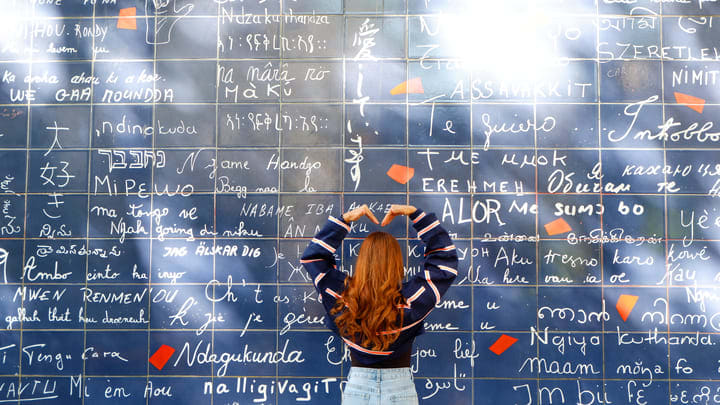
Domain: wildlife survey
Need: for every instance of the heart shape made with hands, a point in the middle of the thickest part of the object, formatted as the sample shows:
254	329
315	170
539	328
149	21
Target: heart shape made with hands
395	210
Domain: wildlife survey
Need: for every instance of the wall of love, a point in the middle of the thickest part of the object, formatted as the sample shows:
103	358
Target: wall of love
163	164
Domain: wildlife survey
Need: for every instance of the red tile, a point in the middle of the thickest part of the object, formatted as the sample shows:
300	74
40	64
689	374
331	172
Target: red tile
502	344
161	356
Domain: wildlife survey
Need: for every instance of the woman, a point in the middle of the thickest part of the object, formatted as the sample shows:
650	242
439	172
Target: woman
374	312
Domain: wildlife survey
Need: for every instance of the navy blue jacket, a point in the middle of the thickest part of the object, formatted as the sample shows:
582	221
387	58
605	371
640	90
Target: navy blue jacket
422	292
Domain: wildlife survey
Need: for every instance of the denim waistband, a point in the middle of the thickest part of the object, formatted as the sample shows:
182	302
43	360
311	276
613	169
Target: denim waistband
380	374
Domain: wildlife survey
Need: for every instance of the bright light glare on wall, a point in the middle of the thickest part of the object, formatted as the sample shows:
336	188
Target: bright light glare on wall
492	36
11	38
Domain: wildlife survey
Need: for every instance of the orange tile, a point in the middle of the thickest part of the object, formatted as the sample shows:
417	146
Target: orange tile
412	86
692	102
625	305
126	19
401	174
557	226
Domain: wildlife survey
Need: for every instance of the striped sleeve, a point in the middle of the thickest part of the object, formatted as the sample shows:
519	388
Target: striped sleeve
426	288
318	259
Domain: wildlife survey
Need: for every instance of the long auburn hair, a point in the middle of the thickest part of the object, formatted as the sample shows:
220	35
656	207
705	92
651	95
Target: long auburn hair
369	304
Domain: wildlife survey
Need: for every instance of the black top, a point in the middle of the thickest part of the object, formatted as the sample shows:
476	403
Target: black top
402	360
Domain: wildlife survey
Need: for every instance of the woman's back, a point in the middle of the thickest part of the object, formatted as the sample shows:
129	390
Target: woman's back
371	300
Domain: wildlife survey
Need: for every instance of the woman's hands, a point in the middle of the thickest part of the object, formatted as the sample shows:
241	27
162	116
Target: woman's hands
395	210
354	215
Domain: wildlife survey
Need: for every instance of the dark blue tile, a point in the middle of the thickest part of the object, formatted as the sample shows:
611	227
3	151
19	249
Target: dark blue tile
376	124
311	358
166	390
117	353
488	391
117	307
126	126
10	350
56	215
490	306
54	128
443	124
192	355
455	177
56	170
574	309
52	353
14	126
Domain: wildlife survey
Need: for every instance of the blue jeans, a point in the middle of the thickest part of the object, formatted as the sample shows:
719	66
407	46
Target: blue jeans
376	386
